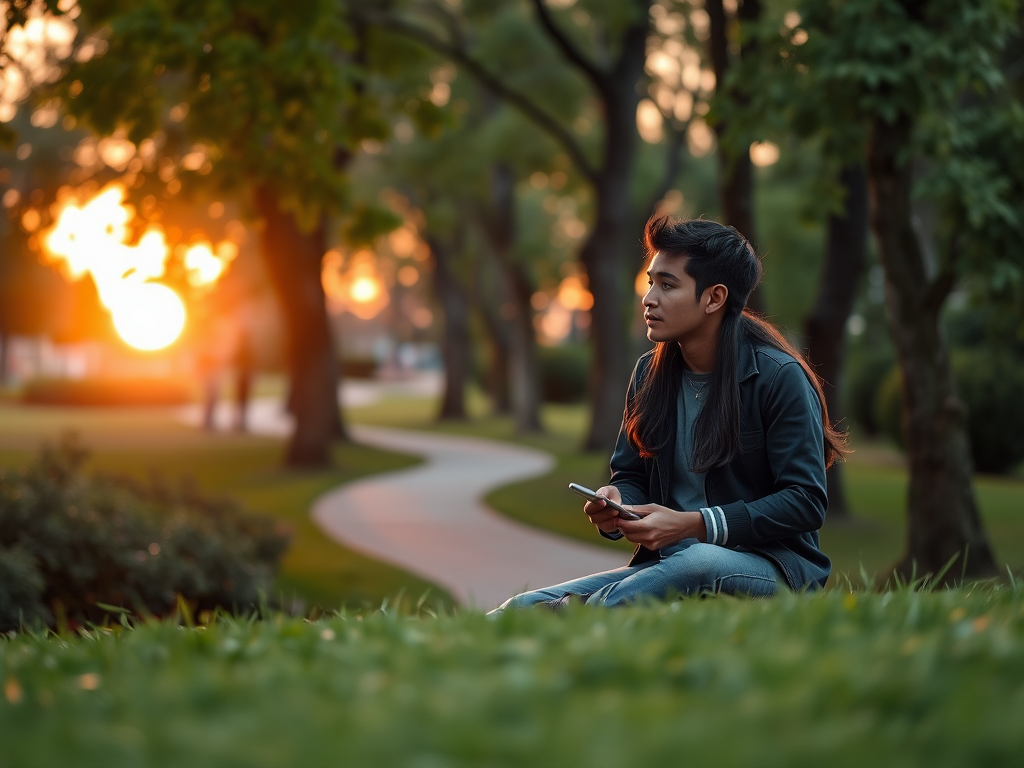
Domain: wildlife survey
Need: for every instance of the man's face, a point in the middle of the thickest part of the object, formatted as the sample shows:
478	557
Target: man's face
671	308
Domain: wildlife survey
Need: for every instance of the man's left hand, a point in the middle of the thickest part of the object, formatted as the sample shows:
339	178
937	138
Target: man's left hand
661	526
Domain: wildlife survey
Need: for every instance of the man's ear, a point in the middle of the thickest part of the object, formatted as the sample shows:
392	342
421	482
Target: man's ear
716	296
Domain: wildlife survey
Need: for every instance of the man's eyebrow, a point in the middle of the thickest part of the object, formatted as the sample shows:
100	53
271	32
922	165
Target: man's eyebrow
663	274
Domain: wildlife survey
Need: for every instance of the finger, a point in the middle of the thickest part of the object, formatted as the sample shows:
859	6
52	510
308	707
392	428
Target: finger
592	507
603	516
641	509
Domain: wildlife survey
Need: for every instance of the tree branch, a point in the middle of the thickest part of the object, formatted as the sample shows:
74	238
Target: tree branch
544	120
568	48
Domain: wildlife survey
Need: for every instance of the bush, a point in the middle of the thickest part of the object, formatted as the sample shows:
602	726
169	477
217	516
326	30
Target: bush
21	589
107	391
115	541
564	372
990	383
867	366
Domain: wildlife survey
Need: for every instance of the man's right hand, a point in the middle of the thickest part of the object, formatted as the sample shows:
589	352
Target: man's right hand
600	514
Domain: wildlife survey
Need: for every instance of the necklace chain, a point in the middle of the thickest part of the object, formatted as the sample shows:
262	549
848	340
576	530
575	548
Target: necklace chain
696	390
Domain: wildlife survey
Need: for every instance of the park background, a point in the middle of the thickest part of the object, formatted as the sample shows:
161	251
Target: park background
220	203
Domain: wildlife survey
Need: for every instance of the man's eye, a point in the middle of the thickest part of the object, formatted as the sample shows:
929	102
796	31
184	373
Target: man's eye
666	286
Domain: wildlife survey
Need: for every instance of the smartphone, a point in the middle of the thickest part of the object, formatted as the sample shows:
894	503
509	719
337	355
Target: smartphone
590	495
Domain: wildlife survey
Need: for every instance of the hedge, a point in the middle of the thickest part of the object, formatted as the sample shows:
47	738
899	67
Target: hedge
107	391
70	543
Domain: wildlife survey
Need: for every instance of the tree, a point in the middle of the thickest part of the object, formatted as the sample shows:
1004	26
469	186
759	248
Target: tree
825	326
606	46
736	182
917	88
271	95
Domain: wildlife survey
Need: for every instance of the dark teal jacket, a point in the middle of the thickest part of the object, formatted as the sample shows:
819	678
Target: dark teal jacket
773	493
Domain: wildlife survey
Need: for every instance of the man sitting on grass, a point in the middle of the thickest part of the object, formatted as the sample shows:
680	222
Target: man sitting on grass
724	441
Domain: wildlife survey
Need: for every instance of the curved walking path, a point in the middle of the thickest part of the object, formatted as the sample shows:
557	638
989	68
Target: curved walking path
430	519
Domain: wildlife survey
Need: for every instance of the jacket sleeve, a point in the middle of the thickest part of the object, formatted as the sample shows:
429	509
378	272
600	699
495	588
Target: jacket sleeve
794	443
629	471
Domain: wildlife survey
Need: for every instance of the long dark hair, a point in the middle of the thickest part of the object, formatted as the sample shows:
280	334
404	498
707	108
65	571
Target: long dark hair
714	254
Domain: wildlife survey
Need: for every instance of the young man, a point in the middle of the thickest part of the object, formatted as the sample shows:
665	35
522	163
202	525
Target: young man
724	441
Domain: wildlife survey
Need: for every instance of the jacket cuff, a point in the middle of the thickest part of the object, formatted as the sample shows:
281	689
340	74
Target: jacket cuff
735	519
611	536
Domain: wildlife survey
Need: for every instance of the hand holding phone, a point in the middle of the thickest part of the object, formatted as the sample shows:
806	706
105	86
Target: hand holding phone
590	495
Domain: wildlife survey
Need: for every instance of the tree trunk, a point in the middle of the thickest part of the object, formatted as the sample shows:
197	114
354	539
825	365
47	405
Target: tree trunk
942	517
293	260
523	362
736	183
493	300
455	348
825	326
607	248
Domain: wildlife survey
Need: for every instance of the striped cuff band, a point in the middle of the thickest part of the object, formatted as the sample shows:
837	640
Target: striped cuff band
716	525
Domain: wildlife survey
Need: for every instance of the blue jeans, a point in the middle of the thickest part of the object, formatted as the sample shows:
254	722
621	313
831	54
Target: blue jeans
688	567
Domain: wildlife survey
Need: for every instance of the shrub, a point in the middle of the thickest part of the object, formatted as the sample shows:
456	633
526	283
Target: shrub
564	372
991	385
21	589
107	391
867	367
115	541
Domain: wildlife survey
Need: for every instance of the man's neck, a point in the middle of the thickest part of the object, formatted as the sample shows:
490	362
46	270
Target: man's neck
700	351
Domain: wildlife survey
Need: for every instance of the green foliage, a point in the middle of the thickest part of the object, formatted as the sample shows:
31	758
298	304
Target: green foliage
854	67
888	411
21	589
563	372
108	391
990	382
275	93
839	679
115	541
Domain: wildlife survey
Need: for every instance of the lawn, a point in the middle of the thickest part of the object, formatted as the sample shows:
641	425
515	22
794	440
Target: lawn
838	679
876	480
142	442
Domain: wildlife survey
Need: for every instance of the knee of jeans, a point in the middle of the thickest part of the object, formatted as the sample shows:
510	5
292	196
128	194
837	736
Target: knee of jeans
745	584
523	600
700	560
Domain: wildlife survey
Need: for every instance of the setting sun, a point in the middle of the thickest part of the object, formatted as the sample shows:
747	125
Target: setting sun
94	238
150	316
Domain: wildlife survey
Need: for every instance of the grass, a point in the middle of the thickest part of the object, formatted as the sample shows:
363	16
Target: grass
837	678
876	482
140	442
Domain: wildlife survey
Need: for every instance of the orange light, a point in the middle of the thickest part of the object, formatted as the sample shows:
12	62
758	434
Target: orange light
355	286
93	238
150	316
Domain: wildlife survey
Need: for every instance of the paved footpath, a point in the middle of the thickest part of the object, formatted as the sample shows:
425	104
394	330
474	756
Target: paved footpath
430	519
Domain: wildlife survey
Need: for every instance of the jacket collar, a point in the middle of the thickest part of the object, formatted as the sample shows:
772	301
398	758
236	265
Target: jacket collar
746	359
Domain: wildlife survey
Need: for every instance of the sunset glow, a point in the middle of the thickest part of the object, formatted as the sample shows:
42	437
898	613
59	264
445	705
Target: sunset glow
354	284
94	238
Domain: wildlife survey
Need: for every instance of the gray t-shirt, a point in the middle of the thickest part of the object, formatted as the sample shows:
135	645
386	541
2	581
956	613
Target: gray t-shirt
687	485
